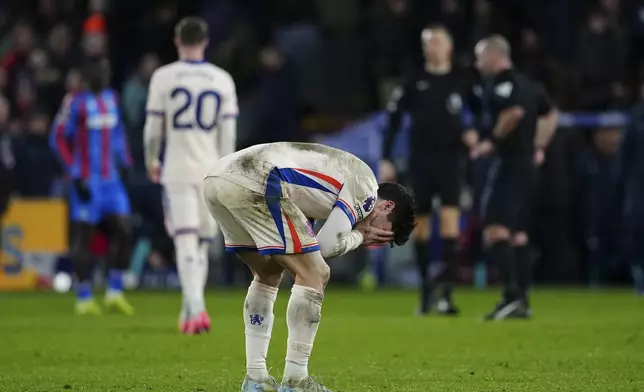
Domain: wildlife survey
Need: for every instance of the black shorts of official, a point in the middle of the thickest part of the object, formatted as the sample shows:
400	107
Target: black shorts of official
440	177
508	195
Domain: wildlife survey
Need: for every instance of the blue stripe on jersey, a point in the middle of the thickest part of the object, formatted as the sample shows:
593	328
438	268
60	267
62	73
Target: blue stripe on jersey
346	210
294	177
273	197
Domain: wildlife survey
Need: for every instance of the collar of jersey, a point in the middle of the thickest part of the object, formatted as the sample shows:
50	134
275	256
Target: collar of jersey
194	61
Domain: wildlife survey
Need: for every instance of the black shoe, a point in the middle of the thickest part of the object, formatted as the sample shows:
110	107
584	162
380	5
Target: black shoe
506	309
446	307
523	312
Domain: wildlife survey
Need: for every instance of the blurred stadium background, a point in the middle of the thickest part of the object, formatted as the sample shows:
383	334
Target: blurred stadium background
323	71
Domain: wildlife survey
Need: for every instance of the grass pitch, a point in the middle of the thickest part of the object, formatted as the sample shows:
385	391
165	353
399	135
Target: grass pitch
578	341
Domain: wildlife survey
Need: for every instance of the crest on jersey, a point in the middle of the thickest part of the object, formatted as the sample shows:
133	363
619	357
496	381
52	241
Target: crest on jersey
368	203
504	89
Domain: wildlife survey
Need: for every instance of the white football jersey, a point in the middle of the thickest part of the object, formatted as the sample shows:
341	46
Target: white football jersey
192	97
314	176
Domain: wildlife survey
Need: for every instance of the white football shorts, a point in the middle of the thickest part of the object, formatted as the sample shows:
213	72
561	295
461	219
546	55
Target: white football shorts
186	211
268	223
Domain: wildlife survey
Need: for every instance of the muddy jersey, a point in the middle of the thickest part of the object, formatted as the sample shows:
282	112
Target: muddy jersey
315	177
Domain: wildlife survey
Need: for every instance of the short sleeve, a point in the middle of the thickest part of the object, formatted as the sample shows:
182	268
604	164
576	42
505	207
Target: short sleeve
229	106
506	94
358	197
156	99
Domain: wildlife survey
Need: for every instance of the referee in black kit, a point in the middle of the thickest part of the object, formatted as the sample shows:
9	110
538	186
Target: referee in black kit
433	98
524	123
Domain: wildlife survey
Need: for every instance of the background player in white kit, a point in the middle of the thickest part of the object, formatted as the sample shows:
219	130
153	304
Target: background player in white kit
192	109
263	198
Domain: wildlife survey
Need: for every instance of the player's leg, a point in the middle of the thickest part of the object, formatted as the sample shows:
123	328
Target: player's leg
449	231
81	238
421	236
262	293
84	215
279	228
501	208
303	315
207	232
524	255
450	214
524	259
182	218
259	317
116	211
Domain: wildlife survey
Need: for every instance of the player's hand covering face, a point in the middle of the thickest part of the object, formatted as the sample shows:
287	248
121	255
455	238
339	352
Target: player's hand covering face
375	229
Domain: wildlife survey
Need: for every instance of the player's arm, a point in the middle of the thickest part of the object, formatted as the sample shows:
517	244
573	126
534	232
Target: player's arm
511	112
548	120
63	130
395	111
469	135
337	235
228	123
349	224
154	123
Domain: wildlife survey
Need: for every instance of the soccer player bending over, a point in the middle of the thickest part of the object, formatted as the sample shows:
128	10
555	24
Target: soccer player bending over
192	107
264	198
88	137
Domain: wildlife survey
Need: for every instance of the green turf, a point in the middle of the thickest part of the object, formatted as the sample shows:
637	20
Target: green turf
578	341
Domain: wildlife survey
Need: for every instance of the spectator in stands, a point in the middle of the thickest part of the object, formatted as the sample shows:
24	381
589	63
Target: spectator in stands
392	42
135	92
601	62
7	163
15	62
48	81
632	168
36	165
59	47
600	199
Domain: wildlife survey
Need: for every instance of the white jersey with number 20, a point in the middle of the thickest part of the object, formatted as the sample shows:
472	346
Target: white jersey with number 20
193	98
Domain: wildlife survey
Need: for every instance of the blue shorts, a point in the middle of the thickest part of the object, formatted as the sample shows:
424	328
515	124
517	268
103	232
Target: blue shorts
108	198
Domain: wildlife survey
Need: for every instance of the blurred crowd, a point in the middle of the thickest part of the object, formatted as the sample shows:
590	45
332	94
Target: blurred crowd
304	67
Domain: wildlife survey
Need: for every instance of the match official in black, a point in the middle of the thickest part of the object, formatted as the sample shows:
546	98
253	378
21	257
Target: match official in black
524	123
433	99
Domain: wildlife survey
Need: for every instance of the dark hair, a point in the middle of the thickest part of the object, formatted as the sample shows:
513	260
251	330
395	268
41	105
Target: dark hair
403	216
191	30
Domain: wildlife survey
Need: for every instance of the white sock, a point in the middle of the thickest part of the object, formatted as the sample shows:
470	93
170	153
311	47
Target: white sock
302	317
202	267
258	318
187	254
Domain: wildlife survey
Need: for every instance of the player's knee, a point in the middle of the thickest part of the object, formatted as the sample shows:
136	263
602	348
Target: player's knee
520	239
449	222
269	278
325	274
422	231
496	233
